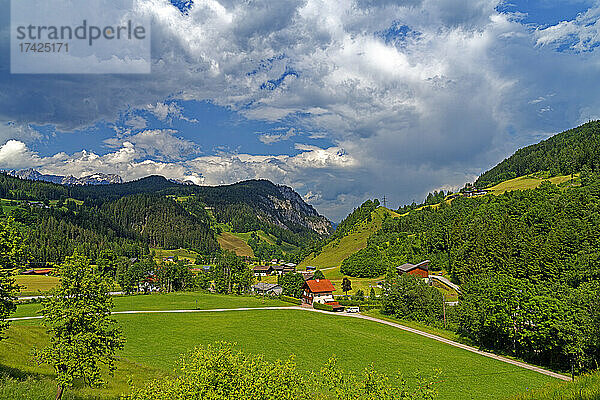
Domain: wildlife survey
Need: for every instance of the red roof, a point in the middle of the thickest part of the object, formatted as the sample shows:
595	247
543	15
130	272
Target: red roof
320	285
42	271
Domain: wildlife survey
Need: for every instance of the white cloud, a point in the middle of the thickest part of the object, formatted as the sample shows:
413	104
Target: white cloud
161	144
14	154
270	138
419	94
580	34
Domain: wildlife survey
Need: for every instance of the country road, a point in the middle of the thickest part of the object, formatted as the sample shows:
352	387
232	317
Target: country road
360	316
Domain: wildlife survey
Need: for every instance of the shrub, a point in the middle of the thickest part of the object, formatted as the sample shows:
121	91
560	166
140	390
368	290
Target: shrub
324	307
291	300
220	372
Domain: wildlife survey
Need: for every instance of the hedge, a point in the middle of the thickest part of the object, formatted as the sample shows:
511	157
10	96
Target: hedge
291	300
324	307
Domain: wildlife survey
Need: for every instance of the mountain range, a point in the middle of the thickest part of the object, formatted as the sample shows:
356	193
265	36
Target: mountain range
94	179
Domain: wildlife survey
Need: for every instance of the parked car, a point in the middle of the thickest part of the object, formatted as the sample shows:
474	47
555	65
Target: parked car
352	309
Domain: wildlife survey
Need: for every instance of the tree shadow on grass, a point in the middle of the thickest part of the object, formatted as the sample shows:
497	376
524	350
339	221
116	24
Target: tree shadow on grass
19	384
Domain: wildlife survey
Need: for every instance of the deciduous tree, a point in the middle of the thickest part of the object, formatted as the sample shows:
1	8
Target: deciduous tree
83	337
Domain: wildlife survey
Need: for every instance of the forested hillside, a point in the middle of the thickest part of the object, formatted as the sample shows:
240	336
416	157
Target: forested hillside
566	153
153	212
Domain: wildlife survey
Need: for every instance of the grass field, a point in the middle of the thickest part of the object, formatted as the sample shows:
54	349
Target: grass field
585	387
172	301
337	251
33	284
180	253
229	241
286	247
529	182
156	340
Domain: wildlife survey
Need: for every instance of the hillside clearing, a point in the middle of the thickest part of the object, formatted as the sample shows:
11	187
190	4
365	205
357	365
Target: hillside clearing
338	250
229	241
531	181
182	254
33	284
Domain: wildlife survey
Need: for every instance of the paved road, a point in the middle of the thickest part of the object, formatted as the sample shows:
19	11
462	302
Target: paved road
360	316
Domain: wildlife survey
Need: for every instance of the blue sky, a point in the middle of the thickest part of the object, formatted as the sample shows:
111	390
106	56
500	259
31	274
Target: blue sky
343	101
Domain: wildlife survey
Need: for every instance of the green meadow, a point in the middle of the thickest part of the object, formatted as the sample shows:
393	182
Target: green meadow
155	341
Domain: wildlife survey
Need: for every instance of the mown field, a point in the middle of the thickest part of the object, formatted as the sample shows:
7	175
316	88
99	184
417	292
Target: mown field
183	254
33	284
172	301
229	241
529	182
156	340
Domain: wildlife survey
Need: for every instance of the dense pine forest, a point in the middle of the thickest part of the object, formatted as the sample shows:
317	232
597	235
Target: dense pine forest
566	153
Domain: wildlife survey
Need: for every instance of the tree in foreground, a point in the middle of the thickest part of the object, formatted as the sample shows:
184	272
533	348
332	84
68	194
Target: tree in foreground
220	372
12	249
83	337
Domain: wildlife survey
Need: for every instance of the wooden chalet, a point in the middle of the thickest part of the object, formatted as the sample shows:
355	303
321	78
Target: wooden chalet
320	291
420	270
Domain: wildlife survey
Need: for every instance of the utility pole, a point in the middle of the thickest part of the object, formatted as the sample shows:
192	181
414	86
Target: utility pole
444	308
384	202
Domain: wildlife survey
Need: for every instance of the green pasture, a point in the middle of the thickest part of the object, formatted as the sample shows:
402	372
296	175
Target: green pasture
33	284
154	342
338	250
172	301
186	254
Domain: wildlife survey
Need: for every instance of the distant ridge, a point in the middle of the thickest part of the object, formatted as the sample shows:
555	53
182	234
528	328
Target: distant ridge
94	179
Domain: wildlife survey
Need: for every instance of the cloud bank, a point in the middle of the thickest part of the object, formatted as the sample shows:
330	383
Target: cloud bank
414	95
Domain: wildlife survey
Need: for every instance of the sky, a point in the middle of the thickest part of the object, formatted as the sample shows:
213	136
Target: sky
341	100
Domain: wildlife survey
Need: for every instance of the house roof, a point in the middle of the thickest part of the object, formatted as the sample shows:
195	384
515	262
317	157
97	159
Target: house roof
262	268
265	287
320	285
307	275
409	267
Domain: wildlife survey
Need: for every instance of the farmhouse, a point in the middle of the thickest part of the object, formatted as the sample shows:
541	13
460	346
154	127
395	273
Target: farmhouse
420	270
262	270
318	291
307	275
269	289
44	271
278	269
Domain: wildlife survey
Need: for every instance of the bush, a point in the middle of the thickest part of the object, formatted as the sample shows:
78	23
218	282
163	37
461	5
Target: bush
408	297
324	307
220	372
291	300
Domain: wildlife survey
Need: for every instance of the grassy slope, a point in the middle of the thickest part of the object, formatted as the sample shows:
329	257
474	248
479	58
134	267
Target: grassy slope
156	340
337	251
180	253
528	182
172	301
584	388
286	247
228	241
16	361
31	284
